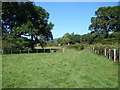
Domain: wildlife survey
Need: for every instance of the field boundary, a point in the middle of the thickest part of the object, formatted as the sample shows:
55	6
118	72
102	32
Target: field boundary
30	51
113	54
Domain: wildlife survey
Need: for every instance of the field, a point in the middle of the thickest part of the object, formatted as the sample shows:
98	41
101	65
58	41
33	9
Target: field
71	69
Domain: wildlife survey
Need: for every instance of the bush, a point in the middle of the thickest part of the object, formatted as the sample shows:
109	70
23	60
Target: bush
78	46
9	43
104	46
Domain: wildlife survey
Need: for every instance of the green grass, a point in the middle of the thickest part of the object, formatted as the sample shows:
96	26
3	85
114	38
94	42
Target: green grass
71	69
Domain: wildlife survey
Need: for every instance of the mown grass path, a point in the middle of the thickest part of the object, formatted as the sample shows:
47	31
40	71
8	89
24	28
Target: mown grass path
71	69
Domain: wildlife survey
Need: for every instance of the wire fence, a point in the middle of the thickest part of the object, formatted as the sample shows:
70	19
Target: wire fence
30	51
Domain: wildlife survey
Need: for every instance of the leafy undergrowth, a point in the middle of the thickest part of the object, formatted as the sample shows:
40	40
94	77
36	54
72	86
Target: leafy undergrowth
71	69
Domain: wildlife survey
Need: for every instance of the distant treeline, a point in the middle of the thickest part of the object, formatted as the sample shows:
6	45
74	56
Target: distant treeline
89	38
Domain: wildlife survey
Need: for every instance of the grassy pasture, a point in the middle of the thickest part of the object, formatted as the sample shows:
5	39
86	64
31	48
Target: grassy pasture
71	69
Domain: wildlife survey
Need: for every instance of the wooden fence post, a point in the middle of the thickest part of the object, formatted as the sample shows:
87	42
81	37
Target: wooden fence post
109	53
63	49
20	51
114	54
98	51
84	48
11	51
105	52
2	52
93	49
119	55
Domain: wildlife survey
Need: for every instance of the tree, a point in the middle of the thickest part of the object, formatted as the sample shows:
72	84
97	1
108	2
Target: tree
107	20
24	19
52	43
64	40
67	35
14	14
42	41
14	44
59	40
74	38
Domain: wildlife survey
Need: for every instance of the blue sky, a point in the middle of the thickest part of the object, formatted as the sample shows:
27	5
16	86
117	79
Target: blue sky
71	17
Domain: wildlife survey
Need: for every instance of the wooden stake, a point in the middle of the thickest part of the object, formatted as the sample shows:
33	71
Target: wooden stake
119	55
63	50
109	53
2	52
93	49
105	52
114	55
20	51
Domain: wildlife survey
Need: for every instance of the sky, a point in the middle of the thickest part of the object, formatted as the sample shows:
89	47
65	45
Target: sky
69	17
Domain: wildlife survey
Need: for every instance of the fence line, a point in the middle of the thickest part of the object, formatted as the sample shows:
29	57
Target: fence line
113	54
30	51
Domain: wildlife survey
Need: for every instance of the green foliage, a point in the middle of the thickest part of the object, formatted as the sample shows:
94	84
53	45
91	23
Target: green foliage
59	40
90	39
42	41
8	44
78	46
107	20
14	44
67	35
69	38
25	19
105	46
63	40
52	43
87	38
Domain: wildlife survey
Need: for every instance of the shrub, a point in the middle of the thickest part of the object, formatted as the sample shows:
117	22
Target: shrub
78	46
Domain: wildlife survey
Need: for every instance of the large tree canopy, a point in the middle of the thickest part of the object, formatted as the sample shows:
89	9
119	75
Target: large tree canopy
107	20
21	19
